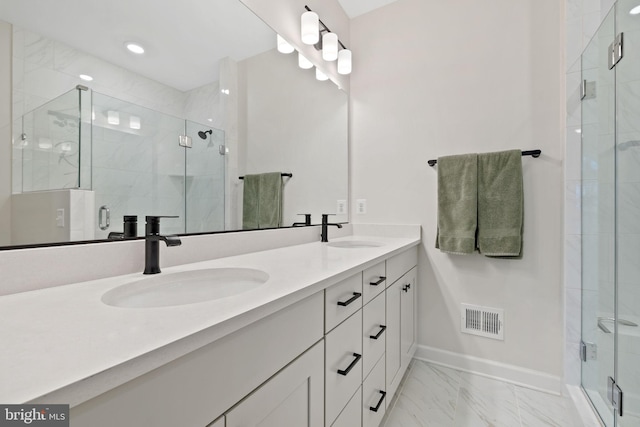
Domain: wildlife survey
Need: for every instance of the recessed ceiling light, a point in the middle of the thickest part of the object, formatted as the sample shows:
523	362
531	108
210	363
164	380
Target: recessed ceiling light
86	77
135	48
635	10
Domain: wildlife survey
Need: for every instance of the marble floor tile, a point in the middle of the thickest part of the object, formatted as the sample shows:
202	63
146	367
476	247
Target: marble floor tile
428	397
544	409
486	402
432	395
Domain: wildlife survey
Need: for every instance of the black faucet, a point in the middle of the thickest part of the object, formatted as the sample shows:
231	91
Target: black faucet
307	221
130	227
152	238
324	236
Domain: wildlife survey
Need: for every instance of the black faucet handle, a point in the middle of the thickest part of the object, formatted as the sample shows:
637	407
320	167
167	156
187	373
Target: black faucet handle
156	218
307	218
153	223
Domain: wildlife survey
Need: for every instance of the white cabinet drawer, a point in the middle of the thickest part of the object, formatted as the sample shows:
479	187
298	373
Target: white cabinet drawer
400	264
373	281
373	333
342	300
350	416
374	396
343	365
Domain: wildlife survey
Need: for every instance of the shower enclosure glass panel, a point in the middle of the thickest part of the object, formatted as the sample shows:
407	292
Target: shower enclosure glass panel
138	166
204	179
47	152
611	217
627	123
598	219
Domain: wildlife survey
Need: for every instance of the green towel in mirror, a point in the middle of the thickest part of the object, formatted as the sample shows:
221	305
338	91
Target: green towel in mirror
262	201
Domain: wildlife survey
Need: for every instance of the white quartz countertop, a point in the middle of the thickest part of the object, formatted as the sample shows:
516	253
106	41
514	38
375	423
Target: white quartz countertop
64	345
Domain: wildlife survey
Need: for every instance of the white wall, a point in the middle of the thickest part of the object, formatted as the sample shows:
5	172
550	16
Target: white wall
295	123
439	78
5	133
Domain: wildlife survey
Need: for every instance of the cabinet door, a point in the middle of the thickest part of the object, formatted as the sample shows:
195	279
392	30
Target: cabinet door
393	359
293	397
407	321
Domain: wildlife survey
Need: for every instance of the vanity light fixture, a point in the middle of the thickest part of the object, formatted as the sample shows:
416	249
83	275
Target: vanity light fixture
283	45
344	62
303	62
135	48
86	77
134	122
635	10
309	27
320	75
113	118
331	46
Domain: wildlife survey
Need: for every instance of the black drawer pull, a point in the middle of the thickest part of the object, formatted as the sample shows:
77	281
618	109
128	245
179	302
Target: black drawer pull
406	287
376	336
382	279
351	365
383	395
355	296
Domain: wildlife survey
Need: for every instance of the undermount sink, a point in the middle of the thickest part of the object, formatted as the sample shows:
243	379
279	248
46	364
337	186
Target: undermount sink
187	287
355	244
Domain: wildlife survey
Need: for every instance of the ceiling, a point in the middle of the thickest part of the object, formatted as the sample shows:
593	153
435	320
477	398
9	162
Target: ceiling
355	8
182	53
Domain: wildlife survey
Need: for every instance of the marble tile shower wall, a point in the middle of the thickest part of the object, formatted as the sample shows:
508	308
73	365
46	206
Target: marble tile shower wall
582	20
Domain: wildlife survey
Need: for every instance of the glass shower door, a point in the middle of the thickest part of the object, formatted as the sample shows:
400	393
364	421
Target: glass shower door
598	219
204	179
627	72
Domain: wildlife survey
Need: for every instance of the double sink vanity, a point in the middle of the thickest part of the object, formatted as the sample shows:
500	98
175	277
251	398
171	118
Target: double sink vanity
315	334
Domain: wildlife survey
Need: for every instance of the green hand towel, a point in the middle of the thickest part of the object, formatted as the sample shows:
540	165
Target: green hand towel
500	204
270	200
457	203
250	197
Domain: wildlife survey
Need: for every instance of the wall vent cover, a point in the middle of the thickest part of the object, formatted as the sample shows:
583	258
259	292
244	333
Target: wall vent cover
483	321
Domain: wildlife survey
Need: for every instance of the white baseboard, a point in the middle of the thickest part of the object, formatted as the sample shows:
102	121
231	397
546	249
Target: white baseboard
489	368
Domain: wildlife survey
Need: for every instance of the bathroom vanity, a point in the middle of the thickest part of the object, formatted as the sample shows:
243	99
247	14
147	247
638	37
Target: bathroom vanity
322	338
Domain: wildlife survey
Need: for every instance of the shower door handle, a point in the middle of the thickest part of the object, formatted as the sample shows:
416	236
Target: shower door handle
104	217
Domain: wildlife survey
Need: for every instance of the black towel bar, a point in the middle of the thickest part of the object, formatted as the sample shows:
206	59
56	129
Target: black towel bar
533	153
283	174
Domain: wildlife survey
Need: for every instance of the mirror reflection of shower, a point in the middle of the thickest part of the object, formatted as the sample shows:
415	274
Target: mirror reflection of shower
628	144
203	134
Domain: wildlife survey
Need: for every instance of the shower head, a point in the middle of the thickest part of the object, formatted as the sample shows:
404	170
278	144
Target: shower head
203	134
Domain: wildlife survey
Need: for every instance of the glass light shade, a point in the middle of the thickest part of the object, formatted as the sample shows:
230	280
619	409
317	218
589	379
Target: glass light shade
283	45
113	117
309	28
344	61
303	62
321	76
134	122
330	47
635	10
